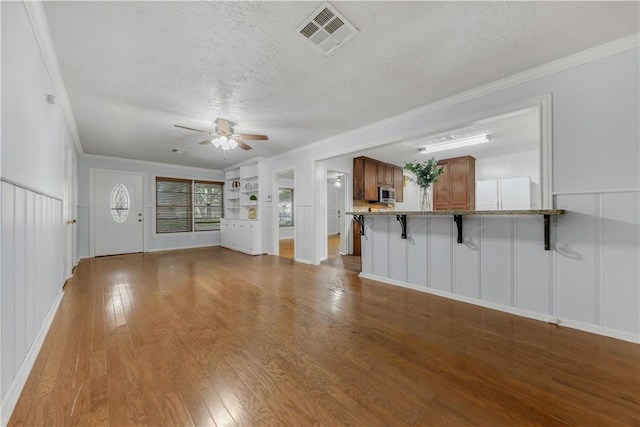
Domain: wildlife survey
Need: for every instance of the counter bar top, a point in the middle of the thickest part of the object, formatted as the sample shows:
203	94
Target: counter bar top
401	216
463	212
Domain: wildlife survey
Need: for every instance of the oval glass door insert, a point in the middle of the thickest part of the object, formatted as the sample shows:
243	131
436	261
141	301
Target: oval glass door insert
120	203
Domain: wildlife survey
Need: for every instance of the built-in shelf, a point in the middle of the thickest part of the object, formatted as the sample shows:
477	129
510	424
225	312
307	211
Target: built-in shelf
401	216
251	178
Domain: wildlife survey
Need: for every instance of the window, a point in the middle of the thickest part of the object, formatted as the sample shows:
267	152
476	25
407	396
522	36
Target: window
207	205
185	205
285	205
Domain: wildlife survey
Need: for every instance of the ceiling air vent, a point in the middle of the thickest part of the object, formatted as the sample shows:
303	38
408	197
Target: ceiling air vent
327	29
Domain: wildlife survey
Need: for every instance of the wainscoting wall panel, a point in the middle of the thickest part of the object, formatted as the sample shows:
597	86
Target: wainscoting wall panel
533	286
32	280
502	262
497	260
440	246
577	257
303	219
466	261
620	242
417	261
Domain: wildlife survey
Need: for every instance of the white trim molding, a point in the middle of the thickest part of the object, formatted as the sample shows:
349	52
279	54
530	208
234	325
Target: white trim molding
600	330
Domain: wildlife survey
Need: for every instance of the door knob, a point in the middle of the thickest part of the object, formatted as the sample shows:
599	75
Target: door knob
71	221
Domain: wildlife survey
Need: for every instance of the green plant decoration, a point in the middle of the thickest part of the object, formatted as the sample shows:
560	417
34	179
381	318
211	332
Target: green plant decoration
253	197
424	173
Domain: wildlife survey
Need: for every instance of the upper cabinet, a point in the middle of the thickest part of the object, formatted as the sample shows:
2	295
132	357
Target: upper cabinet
385	174
398	183
456	187
369	174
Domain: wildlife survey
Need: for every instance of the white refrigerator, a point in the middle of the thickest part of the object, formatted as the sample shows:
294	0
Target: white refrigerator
503	194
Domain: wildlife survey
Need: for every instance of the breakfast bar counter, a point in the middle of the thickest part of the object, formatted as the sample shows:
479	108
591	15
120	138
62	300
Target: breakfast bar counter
457	215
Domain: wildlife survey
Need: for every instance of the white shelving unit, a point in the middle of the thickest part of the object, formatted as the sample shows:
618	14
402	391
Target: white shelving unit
241	228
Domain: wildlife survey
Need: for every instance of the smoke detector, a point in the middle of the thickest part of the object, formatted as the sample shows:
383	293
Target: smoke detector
326	29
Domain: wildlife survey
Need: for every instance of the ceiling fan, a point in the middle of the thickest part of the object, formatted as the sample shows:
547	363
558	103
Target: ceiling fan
224	136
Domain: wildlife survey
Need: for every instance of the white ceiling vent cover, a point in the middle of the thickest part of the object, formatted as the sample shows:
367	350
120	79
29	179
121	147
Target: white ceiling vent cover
326	29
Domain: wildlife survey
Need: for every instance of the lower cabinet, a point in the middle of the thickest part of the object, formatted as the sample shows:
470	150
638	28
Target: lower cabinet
242	235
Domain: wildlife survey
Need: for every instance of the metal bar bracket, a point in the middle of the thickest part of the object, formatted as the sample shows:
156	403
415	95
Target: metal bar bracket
360	219
547	220
458	221
402	219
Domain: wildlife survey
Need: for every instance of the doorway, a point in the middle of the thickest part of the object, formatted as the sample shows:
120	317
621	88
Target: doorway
117	205
70	253
285	218
338	237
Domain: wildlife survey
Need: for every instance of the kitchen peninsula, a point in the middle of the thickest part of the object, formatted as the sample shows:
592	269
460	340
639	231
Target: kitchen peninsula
487	258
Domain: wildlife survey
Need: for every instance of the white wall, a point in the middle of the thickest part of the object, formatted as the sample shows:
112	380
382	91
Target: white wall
149	170
596	133
32	174
35	127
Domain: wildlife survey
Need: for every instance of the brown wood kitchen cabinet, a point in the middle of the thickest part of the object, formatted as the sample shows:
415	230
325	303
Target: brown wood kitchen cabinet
398	183
365	179
385	175
369	174
456	187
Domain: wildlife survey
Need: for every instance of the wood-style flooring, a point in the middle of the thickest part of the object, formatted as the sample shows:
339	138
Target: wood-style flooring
213	337
334	258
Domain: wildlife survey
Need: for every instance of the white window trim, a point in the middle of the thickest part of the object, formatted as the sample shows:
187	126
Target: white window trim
156	235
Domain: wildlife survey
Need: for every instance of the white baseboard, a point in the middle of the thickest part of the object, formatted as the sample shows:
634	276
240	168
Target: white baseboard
573	324
303	261
13	393
177	248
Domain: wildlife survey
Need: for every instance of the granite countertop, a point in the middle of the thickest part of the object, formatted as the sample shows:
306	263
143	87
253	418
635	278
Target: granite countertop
462	212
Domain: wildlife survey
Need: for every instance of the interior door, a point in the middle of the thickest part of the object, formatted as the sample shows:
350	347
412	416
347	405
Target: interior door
69	211
118	213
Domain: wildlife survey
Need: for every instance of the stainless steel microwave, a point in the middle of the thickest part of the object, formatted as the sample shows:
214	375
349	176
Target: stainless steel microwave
386	195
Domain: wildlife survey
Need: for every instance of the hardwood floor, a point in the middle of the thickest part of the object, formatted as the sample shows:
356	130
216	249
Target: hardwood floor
213	337
287	248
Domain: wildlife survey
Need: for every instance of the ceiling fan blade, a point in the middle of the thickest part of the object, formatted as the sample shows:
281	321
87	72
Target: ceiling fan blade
205	142
197	130
251	137
243	145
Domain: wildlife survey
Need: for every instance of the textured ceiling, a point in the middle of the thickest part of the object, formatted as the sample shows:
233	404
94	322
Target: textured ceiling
508	133
134	69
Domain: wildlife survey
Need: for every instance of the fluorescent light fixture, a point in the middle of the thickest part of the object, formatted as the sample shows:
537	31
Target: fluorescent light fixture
454	143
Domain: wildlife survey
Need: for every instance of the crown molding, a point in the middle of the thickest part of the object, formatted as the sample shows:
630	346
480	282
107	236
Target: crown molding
584	57
145	162
40	26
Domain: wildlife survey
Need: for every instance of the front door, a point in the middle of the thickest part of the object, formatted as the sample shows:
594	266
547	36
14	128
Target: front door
117	213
